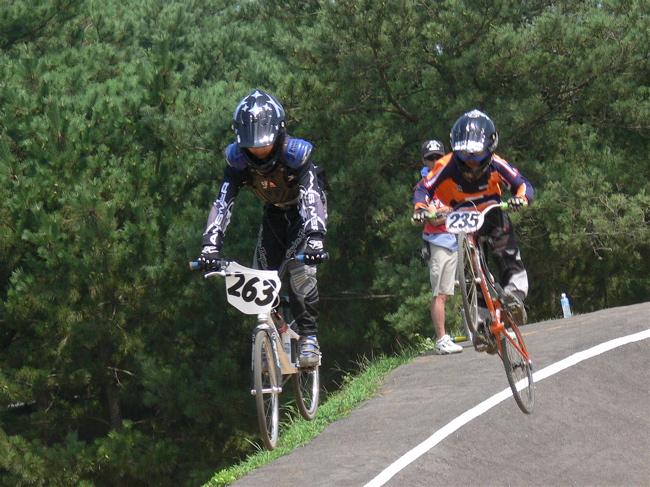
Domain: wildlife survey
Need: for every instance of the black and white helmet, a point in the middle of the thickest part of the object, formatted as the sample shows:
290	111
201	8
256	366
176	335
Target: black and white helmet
474	135
259	120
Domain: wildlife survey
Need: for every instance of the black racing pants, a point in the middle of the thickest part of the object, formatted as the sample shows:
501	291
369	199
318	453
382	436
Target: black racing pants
505	252
281	236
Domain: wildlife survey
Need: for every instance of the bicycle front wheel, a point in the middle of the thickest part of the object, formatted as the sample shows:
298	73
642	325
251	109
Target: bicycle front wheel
519	371
267	388
306	385
467	280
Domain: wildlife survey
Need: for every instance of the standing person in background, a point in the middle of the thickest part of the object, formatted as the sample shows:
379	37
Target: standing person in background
278	170
439	248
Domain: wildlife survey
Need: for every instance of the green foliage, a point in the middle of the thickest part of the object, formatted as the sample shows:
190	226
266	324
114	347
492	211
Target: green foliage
106	147
119	367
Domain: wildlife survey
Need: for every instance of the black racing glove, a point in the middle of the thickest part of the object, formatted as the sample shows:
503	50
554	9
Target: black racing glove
517	203
421	215
210	258
314	250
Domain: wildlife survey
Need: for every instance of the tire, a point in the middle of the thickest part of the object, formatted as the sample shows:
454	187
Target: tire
267	388
467	282
306	385
518	370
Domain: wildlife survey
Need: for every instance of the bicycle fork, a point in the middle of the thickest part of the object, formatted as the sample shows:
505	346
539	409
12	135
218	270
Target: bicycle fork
498	329
281	357
282	338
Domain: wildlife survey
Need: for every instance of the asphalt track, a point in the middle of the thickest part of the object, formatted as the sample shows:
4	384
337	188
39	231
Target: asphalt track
450	420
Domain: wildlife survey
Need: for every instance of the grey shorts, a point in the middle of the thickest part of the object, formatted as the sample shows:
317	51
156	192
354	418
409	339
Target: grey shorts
442	269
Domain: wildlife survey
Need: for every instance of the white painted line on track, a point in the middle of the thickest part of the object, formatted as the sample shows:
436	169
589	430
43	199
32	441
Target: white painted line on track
481	408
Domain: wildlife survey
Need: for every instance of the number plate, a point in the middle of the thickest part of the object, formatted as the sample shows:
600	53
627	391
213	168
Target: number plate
464	221
251	291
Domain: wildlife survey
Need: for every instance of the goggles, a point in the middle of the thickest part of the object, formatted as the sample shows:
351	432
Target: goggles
477	156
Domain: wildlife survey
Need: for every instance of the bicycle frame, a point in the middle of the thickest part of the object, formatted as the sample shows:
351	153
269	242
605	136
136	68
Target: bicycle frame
284	364
491	292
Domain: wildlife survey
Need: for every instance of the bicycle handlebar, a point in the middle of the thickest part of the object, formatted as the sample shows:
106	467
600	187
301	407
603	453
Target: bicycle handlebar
435	215
196	266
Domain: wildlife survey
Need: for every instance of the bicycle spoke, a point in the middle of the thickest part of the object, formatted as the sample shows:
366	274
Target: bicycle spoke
519	371
306	385
267	389
467	281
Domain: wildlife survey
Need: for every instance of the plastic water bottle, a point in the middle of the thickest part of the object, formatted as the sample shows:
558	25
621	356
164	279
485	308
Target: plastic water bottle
566	307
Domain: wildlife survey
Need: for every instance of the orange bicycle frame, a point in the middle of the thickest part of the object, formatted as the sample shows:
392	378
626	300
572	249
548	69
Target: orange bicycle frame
497	328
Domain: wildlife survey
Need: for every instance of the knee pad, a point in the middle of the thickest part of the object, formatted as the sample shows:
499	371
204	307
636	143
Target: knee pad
303	280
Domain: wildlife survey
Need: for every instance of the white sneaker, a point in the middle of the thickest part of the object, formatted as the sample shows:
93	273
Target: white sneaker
445	346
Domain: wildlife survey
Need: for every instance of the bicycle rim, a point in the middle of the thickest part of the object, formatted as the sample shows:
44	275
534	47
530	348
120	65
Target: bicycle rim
519	372
467	281
267	389
306	385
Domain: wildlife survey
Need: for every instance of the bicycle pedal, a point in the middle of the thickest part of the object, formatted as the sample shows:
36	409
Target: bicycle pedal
485	347
309	362
480	347
309	367
479	339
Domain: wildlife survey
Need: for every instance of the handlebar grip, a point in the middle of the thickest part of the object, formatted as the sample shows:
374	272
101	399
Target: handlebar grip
505	206
432	216
196	266
301	257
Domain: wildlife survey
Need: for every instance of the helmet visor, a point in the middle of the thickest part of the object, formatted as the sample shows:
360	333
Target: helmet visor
257	131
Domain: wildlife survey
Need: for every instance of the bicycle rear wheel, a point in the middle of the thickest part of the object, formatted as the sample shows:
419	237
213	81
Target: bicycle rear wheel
467	281
519	372
306	385
267	388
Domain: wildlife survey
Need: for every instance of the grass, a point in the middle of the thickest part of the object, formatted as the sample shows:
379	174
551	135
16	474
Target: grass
297	432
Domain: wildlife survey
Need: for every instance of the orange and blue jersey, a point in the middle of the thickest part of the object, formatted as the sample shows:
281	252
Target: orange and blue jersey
452	188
